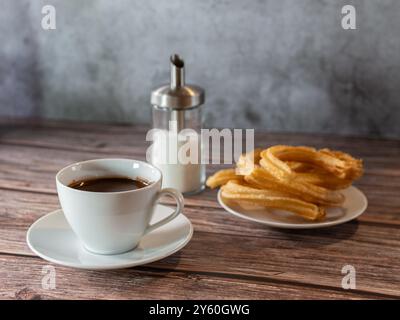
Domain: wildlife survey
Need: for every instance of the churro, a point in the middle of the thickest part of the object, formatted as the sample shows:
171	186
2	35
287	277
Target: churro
302	180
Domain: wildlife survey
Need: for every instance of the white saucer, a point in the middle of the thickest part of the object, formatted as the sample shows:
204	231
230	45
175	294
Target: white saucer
52	239
354	205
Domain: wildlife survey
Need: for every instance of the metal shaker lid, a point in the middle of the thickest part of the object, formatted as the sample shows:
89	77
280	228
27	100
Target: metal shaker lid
177	95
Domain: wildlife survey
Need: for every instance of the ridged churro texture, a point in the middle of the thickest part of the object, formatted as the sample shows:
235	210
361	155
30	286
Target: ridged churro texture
302	180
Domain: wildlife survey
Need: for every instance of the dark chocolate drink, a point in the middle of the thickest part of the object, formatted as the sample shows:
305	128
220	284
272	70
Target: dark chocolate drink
109	184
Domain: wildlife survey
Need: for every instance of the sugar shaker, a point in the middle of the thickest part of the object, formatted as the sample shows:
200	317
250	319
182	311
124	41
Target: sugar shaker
177	123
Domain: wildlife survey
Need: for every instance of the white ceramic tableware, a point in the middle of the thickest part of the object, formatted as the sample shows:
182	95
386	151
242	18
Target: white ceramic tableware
52	239
113	222
354	205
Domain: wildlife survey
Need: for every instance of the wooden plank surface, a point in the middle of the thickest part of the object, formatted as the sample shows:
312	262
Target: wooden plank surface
225	252
22	279
246	249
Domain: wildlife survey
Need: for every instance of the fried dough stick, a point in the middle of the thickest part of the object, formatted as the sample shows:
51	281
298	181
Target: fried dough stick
271	199
265	178
338	163
221	177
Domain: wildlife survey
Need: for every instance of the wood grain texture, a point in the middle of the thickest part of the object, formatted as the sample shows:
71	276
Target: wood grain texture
226	252
22	279
241	248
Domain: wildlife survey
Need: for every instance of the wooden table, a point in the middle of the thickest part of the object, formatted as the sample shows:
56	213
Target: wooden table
228	258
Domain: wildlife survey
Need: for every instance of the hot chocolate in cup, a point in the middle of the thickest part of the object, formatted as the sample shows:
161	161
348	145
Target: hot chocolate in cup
111	221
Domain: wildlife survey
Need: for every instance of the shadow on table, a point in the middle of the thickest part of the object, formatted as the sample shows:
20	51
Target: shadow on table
315	238
138	276
169	263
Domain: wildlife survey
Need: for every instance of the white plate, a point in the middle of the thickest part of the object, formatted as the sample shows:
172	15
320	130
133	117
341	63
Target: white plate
354	205
52	239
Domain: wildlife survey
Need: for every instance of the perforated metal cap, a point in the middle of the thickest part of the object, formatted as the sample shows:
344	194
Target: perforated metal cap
177	95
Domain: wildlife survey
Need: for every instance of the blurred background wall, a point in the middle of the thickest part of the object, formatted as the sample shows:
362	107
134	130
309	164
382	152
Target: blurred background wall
282	65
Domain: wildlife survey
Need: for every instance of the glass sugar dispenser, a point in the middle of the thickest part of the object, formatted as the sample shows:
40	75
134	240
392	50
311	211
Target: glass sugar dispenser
177	122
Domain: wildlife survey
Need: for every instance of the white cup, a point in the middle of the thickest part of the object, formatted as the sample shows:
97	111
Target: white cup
112	222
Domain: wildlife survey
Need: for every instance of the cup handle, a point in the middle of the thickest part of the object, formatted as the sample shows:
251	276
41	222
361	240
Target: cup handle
179	207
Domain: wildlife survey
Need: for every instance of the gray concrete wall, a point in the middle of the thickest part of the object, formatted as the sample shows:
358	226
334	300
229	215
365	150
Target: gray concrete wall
282	65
